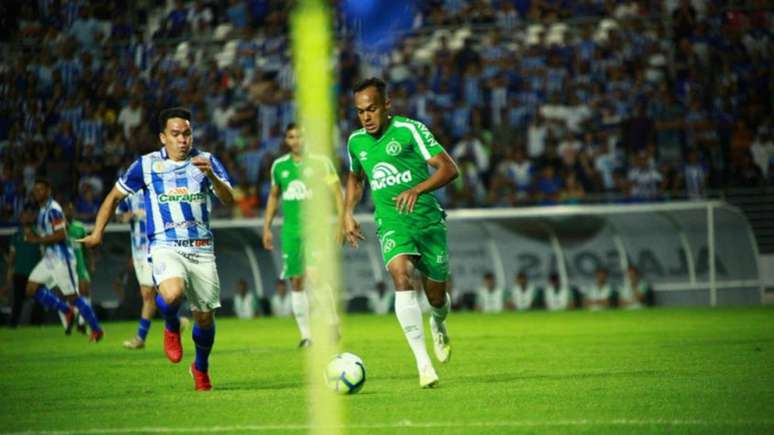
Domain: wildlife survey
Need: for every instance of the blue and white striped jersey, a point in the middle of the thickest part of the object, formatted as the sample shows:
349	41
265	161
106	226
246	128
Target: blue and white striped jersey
177	198
136	205
50	220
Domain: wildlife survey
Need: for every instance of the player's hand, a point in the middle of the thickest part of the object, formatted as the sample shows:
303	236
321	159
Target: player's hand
91	240
406	200
268	240
352	231
203	164
29	235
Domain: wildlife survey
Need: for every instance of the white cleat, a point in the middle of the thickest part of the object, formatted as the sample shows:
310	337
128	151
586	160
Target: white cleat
440	336
428	378
134	343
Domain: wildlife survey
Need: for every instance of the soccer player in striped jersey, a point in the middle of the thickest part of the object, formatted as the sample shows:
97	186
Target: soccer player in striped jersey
132	210
177	182
393	154
293	177
58	266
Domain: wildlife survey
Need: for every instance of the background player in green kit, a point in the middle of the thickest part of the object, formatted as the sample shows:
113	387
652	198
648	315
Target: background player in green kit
83	258
293	177
393	153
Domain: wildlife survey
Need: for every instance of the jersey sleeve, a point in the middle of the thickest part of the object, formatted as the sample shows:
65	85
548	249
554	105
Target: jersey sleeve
331	176
424	141
132	181
274	175
219	170
354	163
56	219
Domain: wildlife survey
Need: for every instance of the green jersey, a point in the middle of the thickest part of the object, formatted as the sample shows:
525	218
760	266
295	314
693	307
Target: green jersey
76	230
394	163
295	180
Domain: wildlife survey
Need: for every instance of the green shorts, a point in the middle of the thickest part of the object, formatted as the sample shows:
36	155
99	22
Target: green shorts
292	257
83	272
427	242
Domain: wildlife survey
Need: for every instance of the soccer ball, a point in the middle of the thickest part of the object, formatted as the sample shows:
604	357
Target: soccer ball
346	373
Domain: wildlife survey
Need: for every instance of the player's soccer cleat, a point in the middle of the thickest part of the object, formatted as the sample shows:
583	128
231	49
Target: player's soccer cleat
96	336
201	379
427	377
172	346
134	343
69	319
304	343
81	328
440	337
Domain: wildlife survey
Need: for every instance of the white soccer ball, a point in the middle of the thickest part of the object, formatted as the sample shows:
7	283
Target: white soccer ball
346	373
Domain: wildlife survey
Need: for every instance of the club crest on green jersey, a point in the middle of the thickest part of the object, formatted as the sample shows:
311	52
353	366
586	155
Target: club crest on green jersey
393	148
385	175
296	191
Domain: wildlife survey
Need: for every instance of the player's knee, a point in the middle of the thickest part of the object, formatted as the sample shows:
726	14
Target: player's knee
32	287
437	299
172	298
204	320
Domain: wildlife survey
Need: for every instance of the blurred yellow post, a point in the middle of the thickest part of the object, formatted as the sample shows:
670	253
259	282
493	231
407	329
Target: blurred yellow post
312	39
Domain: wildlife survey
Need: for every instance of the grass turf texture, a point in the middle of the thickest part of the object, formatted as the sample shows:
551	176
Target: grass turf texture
664	370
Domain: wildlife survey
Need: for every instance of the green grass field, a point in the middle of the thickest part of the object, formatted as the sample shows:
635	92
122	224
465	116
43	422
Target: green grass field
665	370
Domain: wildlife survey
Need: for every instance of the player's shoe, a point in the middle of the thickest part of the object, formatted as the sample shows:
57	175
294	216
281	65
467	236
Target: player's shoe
134	343
305	342
440	337
69	320
96	336
201	379
427	377
172	346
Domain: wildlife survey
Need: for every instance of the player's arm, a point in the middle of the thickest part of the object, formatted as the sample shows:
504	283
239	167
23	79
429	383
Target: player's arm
216	174
445	171
268	217
352	197
106	210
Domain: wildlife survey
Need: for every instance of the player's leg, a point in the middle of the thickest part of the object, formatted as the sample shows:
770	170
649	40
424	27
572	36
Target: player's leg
204	297
84	290
434	265
66	276
142	270
409	316
300	306
293	268
169	271
40	279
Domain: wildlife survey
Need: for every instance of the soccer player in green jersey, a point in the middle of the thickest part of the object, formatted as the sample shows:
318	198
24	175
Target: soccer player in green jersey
293	177
83	258
393	154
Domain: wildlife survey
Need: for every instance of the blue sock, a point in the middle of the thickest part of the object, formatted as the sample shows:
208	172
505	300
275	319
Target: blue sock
169	312
88	314
142	331
50	300
203	338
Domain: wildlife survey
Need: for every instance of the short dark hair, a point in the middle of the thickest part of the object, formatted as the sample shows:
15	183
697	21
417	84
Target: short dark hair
377	83
43	181
290	126
172	112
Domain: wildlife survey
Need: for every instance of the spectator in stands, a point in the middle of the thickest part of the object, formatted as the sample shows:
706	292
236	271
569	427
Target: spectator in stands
244	301
131	116
490	298
548	186
695	176
522	295
557	295
645	181
280	301
381	301
598	294
87	203
572	192
745	173
636	292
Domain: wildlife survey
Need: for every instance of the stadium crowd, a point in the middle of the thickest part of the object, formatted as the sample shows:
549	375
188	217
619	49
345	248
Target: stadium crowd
540	101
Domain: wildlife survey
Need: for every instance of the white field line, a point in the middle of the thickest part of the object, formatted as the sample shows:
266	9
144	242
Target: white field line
410	424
